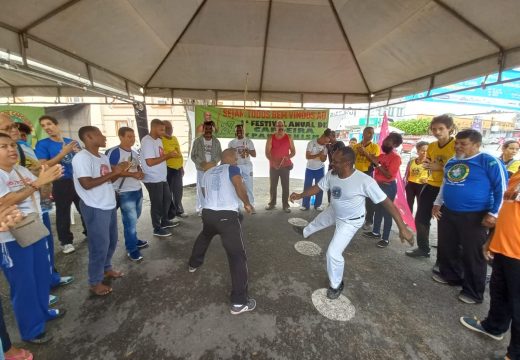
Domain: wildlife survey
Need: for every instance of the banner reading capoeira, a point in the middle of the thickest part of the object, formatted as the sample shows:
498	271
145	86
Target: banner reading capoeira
259	124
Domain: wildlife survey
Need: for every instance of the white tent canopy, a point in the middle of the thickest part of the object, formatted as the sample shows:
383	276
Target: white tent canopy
326	51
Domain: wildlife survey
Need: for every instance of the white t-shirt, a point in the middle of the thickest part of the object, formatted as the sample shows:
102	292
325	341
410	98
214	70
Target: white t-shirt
118	155
315	148
219	192
208	144
348	195
239	145
11	182
85	164
150	149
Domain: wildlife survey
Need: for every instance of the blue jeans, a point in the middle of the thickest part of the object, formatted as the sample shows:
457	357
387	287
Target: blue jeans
102	240
390	189
131	203
310	176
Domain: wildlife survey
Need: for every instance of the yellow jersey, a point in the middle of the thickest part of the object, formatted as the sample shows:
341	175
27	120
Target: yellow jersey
439	155
362	162
417	172
512	166
171	145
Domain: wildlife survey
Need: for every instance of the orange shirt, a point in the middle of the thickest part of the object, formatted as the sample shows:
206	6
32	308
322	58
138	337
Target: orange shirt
506	240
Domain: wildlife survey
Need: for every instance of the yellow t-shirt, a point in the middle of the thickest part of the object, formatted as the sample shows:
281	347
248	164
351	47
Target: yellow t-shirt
417	172
513	166
170	145
362	162
439	155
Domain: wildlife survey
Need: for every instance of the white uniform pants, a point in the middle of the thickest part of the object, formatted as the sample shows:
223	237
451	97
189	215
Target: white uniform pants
198	206
345	231
247	175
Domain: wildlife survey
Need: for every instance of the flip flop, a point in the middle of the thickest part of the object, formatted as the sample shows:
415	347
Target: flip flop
112	274
65	280
105	290
23	355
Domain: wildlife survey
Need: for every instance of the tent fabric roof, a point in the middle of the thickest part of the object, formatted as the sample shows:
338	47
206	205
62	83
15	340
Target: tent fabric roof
339	51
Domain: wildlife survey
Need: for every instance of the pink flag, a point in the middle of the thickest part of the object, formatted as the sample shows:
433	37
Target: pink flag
400	199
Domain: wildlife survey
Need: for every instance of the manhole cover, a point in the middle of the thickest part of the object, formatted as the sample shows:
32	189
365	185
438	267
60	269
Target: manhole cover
298	222
340	309
307	248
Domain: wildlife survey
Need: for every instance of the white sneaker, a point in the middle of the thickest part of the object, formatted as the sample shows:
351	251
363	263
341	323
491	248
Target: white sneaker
68	248
320	208
175	220
303	208
183	215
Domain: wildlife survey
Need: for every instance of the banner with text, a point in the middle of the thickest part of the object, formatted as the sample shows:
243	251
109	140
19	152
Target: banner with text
28	115
259	124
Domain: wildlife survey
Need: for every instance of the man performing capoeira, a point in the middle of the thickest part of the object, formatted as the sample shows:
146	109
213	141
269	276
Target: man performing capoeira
349	188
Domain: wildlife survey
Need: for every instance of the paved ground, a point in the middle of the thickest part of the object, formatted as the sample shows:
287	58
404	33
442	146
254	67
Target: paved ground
160	311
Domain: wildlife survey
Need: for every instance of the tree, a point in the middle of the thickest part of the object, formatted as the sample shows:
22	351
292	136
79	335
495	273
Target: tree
413	127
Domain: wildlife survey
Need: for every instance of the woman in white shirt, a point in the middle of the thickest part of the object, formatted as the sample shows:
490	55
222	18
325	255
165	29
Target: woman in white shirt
27	270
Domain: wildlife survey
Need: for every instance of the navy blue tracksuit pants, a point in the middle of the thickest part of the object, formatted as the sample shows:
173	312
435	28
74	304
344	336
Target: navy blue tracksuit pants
29	280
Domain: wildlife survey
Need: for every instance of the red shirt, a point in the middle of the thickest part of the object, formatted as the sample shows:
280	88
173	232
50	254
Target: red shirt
391	162
280	149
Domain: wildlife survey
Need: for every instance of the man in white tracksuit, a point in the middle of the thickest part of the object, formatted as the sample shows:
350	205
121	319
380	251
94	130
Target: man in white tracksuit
245	150
349	188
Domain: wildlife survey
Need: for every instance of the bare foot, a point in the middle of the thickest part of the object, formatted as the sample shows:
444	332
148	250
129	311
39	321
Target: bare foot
113	274
100	289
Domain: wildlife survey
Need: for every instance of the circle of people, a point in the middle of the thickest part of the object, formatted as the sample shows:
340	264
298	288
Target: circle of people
451	180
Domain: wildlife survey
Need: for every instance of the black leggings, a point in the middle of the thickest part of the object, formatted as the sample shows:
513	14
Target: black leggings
423	216
413	190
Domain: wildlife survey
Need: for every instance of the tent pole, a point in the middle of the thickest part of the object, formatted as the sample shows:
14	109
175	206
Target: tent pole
368	114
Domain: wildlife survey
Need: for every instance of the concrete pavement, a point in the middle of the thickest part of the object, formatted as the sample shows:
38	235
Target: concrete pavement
160	311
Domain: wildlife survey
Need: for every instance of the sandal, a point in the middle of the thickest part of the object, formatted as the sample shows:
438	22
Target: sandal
100	290
112	274
22	354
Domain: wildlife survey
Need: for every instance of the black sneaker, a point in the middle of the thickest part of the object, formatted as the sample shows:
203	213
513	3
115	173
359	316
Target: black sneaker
417	253
135	255
334	293
170	224
192	269
298	229
467	299
475	325
161	232
382	243
438	278
371	235
141	244
40	339
239	309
